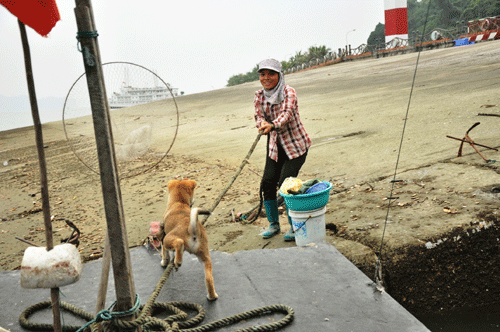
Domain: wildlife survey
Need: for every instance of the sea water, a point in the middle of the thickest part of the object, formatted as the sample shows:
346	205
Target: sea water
13	120
15	112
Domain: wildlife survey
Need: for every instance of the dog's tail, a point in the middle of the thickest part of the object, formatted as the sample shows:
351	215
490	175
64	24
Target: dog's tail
194	218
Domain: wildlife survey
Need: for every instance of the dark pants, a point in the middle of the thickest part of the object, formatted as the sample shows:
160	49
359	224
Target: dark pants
276	172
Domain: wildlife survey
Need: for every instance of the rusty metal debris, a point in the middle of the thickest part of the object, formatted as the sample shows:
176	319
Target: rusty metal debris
74	238
469	140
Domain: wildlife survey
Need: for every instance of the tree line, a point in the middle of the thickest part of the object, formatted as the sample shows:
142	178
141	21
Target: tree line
299	58
443	14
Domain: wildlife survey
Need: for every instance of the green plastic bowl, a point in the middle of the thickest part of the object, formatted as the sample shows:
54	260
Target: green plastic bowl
308	202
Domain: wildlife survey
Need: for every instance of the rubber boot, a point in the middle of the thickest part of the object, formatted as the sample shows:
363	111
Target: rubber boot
273	218
290	235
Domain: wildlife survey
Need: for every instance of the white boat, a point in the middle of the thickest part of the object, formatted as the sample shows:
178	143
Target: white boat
131	96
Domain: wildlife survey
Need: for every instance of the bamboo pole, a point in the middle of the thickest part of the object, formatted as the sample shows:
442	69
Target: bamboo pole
243	163
54	292
103	285
116	230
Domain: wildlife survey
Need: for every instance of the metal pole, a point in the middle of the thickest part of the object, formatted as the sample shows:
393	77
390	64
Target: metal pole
54	292
120	256
346	43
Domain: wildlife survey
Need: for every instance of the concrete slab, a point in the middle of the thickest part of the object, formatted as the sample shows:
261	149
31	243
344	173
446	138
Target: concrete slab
326	291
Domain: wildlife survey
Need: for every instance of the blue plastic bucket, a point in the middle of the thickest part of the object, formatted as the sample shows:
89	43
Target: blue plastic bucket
308	202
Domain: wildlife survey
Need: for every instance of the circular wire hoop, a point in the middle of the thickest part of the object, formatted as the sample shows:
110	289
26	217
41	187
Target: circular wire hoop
143	113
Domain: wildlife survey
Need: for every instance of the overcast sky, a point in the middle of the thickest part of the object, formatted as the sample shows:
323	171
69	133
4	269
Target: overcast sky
195	46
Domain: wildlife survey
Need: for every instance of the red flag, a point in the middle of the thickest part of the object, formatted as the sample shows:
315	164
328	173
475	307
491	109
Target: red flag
41	15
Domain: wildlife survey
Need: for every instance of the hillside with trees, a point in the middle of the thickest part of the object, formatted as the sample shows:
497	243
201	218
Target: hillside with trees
447	14
312	53
443	15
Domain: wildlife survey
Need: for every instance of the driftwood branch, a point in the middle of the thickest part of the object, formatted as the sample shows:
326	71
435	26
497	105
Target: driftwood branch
488	114
27	242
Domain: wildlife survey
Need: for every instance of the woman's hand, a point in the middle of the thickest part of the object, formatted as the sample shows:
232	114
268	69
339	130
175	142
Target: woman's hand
265	128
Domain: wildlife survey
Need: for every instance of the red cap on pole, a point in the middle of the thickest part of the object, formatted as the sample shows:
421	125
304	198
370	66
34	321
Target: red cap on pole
396	19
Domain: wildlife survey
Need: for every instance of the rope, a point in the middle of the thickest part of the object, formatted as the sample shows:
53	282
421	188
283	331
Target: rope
26	324
107	315
378	264
177	322
86	34
254	213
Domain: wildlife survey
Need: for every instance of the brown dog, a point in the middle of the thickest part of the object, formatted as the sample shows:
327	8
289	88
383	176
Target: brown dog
181	230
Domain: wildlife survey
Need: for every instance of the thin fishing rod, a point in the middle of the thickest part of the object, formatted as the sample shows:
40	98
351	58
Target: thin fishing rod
403	134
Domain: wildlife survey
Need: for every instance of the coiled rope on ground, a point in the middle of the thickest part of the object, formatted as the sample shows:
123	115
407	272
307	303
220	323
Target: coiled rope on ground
111	321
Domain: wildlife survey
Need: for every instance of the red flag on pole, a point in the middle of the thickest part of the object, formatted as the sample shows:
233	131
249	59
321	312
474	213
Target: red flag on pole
41	15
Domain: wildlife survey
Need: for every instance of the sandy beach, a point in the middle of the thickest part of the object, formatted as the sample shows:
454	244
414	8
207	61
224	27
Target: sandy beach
442	230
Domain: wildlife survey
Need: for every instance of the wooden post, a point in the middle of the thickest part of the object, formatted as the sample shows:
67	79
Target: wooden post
103	285
54	292
120	256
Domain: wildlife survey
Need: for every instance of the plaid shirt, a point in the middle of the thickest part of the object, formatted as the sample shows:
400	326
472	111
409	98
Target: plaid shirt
286	120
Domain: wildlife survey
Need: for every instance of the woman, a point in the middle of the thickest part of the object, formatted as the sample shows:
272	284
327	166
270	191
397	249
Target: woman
277	115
